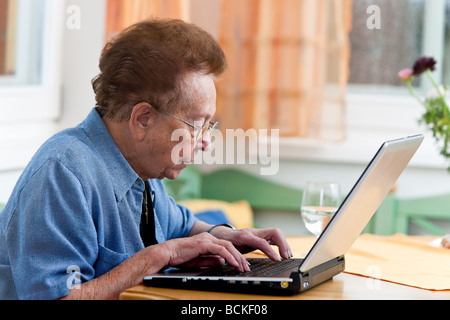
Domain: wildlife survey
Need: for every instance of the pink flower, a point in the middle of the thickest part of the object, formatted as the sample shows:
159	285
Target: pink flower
406	75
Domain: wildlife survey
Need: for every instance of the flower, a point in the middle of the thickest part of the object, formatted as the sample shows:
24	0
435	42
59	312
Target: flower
406	75
423	64
437	113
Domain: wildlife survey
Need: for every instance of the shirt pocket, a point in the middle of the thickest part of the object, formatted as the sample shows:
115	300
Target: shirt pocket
107	259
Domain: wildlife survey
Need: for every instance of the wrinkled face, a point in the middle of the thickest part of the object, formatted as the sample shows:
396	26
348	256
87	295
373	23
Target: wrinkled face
170	144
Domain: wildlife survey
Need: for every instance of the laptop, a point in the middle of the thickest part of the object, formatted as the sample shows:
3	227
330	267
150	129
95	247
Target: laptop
326	257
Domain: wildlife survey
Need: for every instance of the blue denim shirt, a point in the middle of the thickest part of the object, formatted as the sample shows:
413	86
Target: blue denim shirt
77	207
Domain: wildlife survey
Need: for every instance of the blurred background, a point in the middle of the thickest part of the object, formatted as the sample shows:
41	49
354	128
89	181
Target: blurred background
323	72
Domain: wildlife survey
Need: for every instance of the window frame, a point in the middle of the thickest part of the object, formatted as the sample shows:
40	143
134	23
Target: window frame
41	101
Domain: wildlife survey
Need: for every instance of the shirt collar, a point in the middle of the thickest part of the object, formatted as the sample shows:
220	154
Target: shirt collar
122	174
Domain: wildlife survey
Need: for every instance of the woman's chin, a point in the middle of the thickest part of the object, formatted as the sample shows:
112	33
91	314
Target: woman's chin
173	173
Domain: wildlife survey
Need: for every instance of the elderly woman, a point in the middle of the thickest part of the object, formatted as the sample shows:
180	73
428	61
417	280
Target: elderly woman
91	200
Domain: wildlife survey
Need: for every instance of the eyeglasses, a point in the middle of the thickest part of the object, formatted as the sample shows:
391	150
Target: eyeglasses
201	132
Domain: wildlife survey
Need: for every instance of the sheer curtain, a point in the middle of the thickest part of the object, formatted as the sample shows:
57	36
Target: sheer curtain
288	66
288	59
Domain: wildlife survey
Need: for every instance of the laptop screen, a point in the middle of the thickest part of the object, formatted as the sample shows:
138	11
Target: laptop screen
362	201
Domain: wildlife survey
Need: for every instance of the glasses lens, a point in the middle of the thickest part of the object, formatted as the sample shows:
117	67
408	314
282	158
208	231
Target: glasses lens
206	129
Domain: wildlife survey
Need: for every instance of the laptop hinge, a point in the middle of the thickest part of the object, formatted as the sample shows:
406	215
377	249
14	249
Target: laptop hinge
319	274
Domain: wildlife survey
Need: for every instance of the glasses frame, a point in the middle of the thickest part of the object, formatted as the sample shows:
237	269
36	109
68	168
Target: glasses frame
201	131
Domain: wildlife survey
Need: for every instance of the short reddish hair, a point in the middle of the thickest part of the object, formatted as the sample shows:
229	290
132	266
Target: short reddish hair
147	63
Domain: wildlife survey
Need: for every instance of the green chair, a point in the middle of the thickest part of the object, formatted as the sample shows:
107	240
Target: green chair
234	185
187	186
229	184
396	215
2	206
421	212
228	189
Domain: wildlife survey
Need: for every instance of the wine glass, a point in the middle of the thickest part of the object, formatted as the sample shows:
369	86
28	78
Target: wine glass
320	202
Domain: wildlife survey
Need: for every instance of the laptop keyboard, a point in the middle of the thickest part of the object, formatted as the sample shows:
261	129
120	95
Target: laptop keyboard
258	268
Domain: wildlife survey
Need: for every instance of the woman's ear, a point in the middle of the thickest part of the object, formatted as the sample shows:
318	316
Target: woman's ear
140	120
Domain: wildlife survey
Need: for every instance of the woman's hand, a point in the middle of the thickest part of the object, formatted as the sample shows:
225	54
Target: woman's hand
247	240
203	250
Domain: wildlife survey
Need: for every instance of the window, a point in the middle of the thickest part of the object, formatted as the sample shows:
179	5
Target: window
379	106
409	29
447	44
377	54
21	42
30	52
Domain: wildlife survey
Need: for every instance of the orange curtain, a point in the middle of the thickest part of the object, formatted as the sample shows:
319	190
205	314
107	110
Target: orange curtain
123	13
288	59
8	22
3	30
288	66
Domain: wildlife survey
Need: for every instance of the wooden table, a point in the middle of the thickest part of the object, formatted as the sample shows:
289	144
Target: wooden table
342	287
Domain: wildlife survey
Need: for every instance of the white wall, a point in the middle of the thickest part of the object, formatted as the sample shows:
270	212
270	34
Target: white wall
82	49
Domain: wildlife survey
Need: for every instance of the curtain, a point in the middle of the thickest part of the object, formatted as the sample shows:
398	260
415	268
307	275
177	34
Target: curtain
288	66
288	59
8	21
123	13
3	30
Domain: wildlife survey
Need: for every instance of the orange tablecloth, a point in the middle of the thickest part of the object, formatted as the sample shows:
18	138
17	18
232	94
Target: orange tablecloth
400	259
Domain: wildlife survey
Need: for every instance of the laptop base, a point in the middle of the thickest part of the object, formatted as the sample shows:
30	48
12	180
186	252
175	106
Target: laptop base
294	283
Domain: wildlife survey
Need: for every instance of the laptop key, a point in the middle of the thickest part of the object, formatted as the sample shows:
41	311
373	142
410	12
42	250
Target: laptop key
258	267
